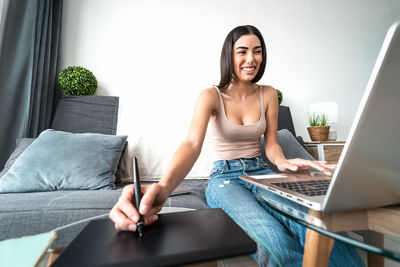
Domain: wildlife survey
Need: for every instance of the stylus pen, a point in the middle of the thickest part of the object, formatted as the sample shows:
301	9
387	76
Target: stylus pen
138	195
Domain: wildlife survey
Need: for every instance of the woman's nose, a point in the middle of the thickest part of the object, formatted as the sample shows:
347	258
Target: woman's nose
250	58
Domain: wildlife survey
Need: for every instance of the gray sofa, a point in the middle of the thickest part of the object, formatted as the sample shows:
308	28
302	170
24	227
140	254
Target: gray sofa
36	212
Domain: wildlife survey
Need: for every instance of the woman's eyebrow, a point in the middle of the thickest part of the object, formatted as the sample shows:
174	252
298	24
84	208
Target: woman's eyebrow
241	47
244	47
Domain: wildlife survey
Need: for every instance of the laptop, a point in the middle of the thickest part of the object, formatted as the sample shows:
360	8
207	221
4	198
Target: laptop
368	171
175	239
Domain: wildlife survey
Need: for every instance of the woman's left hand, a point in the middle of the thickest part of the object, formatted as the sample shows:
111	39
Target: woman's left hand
299	165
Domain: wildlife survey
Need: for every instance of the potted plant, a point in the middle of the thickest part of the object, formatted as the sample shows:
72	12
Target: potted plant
77	81
318	130
280	96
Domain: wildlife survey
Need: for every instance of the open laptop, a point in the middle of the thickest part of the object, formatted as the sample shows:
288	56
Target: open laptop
368	171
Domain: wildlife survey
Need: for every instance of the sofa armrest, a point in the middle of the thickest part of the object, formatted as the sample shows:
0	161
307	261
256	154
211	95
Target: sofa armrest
285	120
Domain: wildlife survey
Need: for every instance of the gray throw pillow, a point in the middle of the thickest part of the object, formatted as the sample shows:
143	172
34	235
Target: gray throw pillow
23	143
65	161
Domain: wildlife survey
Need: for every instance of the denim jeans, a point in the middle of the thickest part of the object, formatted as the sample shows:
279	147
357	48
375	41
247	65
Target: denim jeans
280	241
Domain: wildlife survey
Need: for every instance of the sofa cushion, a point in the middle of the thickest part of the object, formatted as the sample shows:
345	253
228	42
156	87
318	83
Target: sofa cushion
37	212
65	161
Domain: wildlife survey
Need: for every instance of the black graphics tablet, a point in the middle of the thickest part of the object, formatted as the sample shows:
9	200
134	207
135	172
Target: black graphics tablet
175	239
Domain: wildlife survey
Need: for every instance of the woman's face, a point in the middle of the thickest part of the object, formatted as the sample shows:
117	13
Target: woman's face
247	57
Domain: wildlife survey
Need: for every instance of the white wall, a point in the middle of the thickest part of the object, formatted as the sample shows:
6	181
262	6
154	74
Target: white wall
158	55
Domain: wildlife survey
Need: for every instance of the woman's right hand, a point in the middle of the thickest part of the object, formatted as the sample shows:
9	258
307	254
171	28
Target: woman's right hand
124	214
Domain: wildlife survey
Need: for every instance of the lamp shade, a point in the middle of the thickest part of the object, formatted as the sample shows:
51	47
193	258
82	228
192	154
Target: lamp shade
330	109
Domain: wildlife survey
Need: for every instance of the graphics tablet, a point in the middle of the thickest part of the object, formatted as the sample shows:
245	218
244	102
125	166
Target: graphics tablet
175	239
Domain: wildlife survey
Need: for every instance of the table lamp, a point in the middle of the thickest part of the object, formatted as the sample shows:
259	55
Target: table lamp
331	110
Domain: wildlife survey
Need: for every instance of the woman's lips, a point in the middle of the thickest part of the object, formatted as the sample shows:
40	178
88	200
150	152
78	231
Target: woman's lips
249	69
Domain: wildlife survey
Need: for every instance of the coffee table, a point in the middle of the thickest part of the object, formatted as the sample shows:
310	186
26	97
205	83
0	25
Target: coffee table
324	228
67	233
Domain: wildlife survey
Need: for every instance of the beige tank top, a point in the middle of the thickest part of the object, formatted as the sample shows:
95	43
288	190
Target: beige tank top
234	141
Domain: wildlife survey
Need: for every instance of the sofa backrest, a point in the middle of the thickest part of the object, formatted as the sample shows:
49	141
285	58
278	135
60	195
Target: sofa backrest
86	114
285	120
99	114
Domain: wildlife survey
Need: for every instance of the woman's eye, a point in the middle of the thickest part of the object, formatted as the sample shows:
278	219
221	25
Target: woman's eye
241	52
257	52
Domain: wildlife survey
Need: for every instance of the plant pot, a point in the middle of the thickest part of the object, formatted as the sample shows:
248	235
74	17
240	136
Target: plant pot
318	133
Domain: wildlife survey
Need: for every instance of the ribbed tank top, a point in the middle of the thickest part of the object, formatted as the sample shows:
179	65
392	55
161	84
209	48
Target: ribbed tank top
234	141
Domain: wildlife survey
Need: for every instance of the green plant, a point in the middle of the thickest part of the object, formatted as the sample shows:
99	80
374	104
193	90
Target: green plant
75	80
317	119
280	97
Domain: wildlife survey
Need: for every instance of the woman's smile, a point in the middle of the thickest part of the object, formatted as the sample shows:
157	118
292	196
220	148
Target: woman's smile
249	69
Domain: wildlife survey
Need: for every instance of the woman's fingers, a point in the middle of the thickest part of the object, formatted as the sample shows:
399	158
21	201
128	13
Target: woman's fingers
303	165
153	200
121	221
124	214
148	199
327	166
319	166
150	219
126	203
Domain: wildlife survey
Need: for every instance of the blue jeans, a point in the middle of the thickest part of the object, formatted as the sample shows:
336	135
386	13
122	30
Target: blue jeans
280	241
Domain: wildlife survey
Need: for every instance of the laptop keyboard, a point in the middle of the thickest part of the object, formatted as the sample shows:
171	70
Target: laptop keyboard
309	188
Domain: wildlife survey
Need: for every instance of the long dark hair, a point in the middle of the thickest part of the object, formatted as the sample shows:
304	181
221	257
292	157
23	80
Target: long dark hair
226	54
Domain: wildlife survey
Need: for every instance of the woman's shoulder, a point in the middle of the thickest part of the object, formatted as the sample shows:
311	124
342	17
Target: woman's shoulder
267	89
209	93
209	97
269	94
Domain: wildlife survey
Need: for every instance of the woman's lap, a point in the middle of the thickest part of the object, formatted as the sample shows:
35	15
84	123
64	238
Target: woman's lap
280	240
275	242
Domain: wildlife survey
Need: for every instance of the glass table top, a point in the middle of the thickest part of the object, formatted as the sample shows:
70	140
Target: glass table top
331	225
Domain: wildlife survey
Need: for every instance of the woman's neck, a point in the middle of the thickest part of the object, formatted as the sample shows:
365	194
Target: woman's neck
240	89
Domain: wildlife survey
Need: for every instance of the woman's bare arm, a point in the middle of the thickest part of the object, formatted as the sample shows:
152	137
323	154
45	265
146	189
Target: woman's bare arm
124	214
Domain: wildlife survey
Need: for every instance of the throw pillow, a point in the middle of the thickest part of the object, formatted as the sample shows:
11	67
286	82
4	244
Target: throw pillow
23	143
59	160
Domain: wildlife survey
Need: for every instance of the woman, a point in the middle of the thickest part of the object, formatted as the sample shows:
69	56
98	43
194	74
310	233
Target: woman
238	112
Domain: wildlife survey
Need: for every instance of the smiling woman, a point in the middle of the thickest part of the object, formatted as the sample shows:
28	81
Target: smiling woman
237	112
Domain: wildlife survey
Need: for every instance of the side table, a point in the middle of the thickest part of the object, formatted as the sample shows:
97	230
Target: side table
329	151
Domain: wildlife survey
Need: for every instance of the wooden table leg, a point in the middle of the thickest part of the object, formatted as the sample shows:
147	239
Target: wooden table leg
317	249
375	239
